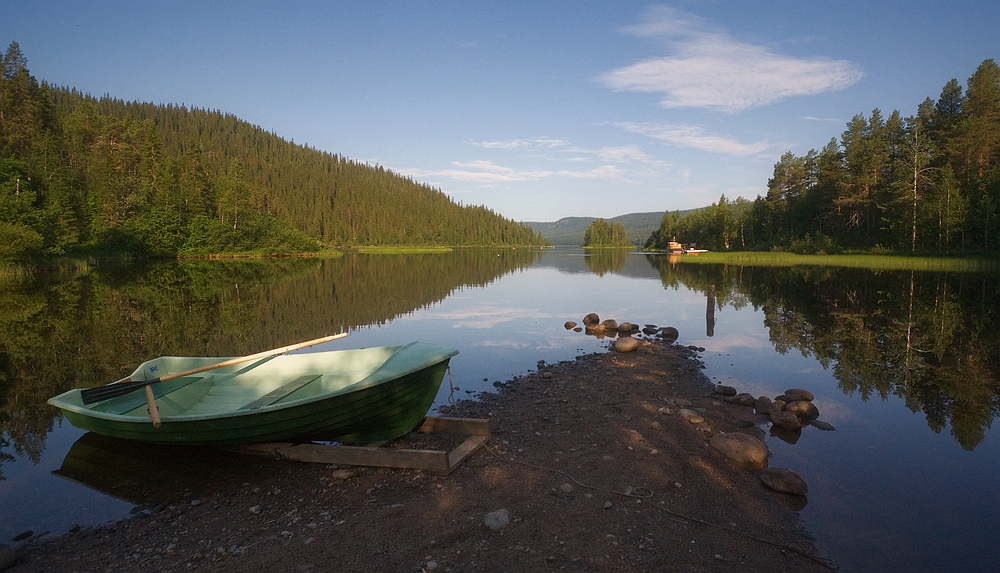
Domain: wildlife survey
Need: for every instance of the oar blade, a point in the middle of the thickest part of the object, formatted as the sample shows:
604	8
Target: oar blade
101	393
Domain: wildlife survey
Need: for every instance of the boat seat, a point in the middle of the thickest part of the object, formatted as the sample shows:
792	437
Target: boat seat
281	391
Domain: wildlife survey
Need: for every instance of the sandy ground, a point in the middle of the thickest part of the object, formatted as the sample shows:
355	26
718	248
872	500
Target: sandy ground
587	460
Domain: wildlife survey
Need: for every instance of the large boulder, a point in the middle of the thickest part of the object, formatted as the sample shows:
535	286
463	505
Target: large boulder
591	319
786	420
803	409
742	399
741	450
802	394
763	405
669	334
626	344
610	325
783	480
625	329
725	390
570	325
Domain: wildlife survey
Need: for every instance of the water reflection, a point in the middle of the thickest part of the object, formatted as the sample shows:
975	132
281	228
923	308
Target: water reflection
604	261
60	332
931	339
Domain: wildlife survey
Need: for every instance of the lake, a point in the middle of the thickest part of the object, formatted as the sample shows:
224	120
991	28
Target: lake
905	364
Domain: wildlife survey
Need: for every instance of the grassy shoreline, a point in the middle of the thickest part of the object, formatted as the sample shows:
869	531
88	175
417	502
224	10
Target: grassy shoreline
880	261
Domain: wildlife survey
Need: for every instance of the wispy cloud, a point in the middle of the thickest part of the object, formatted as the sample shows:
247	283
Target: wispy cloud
543	142
479	171
602	172
710	69
696	137
487	172
811	118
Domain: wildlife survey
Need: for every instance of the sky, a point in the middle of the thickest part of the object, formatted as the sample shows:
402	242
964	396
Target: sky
537	110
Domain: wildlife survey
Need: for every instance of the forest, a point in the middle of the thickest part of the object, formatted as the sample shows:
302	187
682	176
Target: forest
926	183
80	174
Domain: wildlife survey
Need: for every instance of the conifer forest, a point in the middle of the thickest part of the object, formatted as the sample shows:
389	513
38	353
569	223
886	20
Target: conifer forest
81	174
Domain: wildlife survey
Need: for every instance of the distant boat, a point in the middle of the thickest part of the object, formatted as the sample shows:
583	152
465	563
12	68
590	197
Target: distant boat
690	249
350	396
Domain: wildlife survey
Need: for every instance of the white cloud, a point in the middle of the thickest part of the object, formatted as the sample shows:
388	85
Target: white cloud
710	69
811	118
479	171
696	137
602	172
545	142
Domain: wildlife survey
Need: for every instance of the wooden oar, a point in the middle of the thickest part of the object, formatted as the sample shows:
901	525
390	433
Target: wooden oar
126	385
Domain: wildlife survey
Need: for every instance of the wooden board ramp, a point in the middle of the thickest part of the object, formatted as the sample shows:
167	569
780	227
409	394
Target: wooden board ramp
440	462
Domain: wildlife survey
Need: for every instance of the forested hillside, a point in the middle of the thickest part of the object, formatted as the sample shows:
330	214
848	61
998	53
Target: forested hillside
570	230
78	172
929	182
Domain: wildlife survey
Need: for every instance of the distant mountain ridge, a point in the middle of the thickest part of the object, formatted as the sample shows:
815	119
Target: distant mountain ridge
570	230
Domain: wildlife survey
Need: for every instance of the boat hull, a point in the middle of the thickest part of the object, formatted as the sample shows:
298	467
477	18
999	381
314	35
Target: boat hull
355	396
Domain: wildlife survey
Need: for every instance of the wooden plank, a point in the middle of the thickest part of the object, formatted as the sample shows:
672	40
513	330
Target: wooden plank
464	450
437	461
467	426
433	460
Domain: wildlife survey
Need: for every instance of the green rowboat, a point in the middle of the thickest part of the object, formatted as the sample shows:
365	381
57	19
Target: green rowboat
348	396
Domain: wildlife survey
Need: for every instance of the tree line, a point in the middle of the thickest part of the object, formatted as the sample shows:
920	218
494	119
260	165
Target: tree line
603	233
927	183
81	173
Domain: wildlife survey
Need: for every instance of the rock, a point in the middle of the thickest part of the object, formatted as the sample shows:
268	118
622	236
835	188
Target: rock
607	505
725	390
625	329
566	488
610	325
546	375
578	329
650	330
744	423
431	566
786	420
497	520
803	394
803	409
7	556
783	480
763	405
255	510
682	402
570	325
343	474
779	404
23	535
669	334
591	319
741	450
742	399
626	344
596	330
822	425
685	414
696	419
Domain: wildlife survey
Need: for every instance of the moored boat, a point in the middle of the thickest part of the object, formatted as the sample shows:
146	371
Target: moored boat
348	396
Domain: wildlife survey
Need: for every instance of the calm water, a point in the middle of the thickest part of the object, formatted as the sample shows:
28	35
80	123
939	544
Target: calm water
905	365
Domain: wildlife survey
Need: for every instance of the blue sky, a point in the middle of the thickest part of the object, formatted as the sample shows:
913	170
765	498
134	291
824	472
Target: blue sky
538	110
